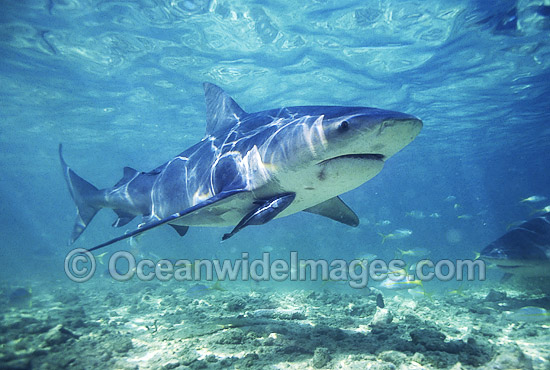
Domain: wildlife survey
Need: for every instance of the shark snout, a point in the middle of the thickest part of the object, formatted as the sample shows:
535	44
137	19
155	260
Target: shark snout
394	133
410	123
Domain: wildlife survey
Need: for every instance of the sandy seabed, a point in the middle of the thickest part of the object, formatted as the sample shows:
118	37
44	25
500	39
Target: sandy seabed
105	324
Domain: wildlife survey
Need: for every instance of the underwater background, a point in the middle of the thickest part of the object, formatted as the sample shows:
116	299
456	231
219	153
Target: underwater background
120	84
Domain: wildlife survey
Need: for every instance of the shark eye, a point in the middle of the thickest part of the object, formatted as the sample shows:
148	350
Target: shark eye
344	126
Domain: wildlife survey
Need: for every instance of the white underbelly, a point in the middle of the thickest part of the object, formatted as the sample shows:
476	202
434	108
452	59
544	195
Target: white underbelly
312	185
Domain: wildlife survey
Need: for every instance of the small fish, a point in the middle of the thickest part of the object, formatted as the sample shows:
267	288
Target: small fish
511	225
201	289
380	301
99	258
176	263
417	266
542	210
405	282
197	290
396	273
460	290
134	241
396	234
119	271
217	286
20	296
435	215
403	232
364	221
185	264
533	199
333	281
465	217
383	223
367	257
530	314
267	248
450	199
418	293
457	206
419	215
416	252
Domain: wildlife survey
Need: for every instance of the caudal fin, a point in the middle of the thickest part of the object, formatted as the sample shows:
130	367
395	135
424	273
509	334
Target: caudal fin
85	195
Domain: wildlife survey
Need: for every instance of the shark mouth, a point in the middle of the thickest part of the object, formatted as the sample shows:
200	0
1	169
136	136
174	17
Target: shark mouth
368	156
508	267
503	262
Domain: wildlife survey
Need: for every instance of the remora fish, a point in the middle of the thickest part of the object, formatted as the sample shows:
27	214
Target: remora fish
524	250
246	161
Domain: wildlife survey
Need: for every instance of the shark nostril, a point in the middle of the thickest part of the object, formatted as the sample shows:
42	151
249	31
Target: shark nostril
377	148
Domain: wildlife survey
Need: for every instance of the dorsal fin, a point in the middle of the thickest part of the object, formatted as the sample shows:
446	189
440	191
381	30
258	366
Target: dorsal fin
128	174
221	110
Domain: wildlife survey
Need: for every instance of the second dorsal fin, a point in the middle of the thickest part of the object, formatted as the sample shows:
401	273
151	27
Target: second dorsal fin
128	174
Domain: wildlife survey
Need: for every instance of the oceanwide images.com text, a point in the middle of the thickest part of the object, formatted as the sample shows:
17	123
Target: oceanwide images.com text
80	266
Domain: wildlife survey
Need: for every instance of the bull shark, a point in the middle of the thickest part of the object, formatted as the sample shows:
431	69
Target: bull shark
524	250
251	168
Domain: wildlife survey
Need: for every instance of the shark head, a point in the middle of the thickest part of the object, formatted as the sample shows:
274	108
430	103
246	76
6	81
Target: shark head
524	250
320	152
336	149
368	132
519	259
316	152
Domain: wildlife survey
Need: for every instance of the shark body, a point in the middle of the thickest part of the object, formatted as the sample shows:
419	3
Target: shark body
253	167
524	250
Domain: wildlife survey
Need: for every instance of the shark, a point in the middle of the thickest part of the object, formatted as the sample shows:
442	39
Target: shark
524	250
251	168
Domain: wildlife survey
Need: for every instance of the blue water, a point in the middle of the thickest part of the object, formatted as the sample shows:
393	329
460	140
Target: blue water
120	84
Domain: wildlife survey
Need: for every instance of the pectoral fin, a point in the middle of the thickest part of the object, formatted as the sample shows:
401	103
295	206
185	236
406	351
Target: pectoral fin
335	209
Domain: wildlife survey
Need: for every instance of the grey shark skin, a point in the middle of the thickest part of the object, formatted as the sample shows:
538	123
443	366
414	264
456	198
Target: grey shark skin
246	159
524	250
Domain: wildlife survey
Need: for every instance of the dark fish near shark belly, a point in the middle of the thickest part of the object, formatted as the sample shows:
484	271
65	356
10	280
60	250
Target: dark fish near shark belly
251	168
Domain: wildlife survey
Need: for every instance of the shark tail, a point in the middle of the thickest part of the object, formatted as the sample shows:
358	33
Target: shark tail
85	195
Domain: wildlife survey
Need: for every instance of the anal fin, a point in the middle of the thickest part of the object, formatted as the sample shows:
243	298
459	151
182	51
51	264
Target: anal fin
337	210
